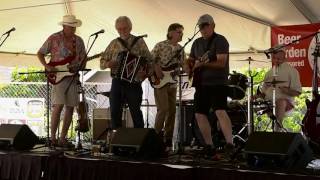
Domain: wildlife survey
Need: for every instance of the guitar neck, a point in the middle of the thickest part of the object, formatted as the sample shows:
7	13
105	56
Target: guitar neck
315	91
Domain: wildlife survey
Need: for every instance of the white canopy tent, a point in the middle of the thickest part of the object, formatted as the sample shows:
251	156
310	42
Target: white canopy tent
245	23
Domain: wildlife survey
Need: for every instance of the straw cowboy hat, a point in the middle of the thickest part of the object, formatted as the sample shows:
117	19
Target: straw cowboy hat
70	20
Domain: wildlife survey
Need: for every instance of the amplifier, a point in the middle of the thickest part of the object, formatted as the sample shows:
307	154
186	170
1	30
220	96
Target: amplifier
101	121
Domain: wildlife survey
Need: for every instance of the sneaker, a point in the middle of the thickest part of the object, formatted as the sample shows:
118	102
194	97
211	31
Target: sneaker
229	150
209	152
168	142
66	144
53	142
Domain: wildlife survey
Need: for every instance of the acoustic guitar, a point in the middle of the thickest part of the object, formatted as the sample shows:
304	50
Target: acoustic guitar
195	75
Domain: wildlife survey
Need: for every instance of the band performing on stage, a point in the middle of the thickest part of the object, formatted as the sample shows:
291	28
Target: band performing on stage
220	122
218	109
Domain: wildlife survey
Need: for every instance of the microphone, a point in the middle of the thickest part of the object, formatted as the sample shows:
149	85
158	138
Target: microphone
96	33
8	32
142	36
273	50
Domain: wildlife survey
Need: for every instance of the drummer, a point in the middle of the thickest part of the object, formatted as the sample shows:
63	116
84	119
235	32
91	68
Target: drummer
286	81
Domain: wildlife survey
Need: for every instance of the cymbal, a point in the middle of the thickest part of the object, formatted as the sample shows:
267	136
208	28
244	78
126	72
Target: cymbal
251	60
274	82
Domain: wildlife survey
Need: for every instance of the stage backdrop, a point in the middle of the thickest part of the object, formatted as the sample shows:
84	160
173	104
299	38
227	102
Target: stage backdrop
299	54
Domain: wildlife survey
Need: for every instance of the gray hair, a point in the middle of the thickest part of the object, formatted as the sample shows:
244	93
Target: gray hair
124	19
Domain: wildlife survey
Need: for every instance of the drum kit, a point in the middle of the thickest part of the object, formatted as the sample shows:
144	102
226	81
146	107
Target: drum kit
240	86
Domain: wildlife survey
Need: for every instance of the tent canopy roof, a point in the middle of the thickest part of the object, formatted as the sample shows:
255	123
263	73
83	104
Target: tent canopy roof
246	23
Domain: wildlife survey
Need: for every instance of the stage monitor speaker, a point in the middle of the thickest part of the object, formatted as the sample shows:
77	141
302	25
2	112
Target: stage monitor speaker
18	136
278	150
101	122
137	142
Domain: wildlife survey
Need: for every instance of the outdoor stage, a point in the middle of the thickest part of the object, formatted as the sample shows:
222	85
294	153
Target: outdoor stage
45	164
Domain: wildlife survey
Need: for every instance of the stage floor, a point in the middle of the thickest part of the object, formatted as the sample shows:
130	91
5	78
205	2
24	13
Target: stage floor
45	163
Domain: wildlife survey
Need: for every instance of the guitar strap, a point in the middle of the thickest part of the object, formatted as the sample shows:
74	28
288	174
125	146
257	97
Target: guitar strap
210	42
125	45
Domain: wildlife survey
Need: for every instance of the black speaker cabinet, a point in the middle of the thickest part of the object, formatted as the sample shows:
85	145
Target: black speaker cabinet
20	137
137	142
276	149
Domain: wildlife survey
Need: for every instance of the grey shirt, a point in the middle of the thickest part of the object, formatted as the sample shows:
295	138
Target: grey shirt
218	45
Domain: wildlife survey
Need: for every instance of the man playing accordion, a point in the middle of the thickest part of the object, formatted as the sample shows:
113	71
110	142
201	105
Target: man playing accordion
128	58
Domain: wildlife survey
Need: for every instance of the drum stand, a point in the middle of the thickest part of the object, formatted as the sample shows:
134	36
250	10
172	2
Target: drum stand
272	115
250	123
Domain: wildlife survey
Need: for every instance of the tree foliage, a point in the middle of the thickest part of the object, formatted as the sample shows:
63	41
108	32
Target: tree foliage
31	74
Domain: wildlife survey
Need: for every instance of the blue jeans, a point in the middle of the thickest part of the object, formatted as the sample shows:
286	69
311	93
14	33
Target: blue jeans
123	92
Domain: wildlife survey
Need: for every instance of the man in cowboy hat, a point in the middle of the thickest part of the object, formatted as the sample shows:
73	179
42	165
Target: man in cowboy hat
66	48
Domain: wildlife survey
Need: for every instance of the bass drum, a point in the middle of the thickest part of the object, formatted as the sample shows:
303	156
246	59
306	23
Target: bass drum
238	116
237	86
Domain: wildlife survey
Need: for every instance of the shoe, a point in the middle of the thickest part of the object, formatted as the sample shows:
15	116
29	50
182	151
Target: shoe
66	144
53	143
229	151
209	153
168	142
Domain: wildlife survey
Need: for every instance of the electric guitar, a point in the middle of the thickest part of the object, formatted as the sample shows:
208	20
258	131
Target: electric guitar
310	126
170	77
62	69
195	75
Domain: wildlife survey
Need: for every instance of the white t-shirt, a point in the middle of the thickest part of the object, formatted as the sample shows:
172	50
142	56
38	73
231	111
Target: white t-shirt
284	72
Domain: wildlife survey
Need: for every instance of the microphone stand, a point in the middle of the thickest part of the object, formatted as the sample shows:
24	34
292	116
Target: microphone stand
273	50
8	34
81	68
48	143
178	147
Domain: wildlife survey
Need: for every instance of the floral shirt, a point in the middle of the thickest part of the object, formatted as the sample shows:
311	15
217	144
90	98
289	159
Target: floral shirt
56	47
164	54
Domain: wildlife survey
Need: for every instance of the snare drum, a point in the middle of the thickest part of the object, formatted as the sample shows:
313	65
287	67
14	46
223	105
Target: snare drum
261	106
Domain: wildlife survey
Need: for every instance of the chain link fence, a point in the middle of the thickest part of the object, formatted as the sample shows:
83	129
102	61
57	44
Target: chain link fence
11	93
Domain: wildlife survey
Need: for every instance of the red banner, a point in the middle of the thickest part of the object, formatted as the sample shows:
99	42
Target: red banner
299	54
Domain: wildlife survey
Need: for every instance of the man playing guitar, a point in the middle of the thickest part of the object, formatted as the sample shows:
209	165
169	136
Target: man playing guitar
64	47
167	58
211	92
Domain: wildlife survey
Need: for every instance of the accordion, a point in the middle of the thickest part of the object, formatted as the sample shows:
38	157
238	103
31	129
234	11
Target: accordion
129	66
